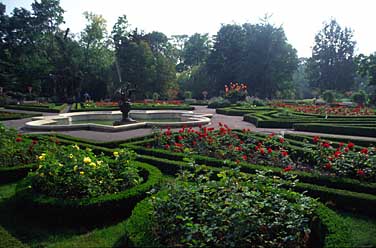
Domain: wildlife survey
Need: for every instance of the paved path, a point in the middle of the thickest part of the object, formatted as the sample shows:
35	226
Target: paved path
234	122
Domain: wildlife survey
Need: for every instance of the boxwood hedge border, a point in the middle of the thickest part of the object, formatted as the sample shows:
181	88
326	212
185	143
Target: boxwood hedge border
96	210
328	226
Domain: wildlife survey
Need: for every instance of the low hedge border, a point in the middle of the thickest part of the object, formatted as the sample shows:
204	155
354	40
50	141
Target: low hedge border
328	226
8	241
161	107
336	129
16	116
95	210
335	140
15	173
57	109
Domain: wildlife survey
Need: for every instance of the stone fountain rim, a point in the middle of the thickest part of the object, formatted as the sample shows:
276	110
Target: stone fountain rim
39	123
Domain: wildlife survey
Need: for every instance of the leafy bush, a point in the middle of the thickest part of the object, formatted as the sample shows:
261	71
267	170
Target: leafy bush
187	94
345	160
156	96
15	150
70	172
218	102
235	92
329	96
360	97
235	211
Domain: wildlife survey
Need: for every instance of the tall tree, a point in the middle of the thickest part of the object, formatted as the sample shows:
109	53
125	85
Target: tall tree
332	63
98	58
257	54
196	49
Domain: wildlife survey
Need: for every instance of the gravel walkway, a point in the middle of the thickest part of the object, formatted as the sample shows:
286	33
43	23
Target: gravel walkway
234	122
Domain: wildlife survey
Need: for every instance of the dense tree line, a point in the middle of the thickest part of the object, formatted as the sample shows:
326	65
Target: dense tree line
35	53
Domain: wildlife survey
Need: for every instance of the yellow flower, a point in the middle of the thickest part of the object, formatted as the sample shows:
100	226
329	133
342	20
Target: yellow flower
87	160
99	162
61	165
93	164
116	154
42	157
81	172
40	166
88	149
76	146
75	168
100	181
71	155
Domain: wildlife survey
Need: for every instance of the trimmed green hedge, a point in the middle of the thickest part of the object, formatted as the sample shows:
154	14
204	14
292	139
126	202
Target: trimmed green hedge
8	241
43	108
135	106
329	229
5	116
95	210
367	131
12	174
334	140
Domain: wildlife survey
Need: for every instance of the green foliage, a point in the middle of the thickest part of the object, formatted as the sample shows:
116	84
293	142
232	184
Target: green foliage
218	102
155	96
230	212
250	53
15	150
69	172
196	49
187	94
359	97
332	65
329	96
8	241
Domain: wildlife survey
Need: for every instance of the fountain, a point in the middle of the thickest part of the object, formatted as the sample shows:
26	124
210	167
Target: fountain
113	121
125	93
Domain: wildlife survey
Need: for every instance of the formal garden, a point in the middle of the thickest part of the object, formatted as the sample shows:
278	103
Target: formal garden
135	139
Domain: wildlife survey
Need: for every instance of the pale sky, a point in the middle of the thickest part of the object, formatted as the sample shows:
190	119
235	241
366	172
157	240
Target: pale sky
301	19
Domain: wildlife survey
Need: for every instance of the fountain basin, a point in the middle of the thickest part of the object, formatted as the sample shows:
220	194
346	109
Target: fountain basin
102	120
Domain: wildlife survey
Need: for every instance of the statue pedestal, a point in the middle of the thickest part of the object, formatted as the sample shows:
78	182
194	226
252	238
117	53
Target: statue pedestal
124	121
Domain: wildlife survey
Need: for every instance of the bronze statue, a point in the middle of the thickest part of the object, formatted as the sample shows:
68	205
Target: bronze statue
124	93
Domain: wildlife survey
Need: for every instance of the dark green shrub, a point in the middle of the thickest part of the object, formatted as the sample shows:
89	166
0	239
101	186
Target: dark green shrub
329	96
359	97
235	211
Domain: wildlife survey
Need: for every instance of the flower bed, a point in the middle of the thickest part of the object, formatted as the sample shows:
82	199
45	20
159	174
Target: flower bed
18	154
71	182
328	110
272	150
235	211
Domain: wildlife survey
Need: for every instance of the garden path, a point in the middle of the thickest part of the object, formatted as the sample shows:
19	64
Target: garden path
234	122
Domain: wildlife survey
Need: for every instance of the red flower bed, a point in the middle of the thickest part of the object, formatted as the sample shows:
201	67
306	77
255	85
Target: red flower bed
273	150
327	110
